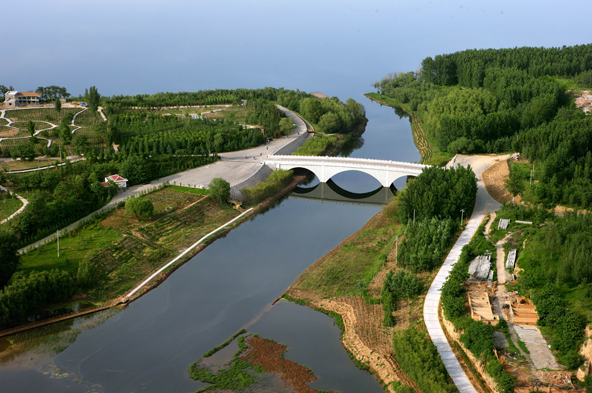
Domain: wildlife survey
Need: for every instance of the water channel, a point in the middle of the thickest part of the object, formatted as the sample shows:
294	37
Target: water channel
149	345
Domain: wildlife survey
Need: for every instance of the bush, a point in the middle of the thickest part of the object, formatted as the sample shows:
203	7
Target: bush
274	183
139	207
219	190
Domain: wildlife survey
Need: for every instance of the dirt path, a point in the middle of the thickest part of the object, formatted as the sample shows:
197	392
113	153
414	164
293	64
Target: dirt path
502	274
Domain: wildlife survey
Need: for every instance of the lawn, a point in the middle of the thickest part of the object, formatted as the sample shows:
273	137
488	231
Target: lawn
8	205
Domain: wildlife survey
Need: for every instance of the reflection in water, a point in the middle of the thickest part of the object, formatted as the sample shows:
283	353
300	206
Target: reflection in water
331	192
351	146
401	112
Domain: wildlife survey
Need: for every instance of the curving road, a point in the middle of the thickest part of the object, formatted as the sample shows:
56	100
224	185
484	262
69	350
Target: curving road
484	204
234	167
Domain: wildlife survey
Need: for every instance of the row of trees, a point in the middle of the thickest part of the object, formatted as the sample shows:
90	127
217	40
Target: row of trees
51	93
27	292
425	243
439	192
201	97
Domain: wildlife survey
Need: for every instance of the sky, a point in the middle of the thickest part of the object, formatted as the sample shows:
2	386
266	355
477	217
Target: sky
337	47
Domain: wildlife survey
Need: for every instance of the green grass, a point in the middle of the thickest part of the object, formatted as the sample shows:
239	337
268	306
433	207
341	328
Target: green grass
351	268
8	205
522	345
512	347
385	100
73	249
198	191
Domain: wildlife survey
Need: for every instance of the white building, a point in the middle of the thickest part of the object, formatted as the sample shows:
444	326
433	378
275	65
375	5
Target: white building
120	181
19	98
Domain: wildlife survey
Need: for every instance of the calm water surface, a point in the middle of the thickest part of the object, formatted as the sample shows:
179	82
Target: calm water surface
149	345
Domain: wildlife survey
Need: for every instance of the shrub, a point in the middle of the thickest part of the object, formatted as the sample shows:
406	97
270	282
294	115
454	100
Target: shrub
139	207
219	190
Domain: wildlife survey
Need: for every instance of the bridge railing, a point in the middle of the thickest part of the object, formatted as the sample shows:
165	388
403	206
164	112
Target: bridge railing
327	158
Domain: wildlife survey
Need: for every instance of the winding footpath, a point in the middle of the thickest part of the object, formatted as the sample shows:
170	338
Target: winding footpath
19	211
484	204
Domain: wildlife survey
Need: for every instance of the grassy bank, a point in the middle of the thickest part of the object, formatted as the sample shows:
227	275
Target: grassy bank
430	153
123	250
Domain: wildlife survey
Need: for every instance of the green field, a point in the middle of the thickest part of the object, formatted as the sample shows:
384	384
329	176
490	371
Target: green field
8	205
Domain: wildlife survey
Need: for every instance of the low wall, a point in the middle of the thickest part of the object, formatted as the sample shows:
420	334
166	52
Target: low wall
260	175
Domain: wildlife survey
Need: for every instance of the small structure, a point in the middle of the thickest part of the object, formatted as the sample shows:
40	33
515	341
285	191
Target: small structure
503	224
511	261
120	181
523	312
480	267
18	98
320	96
481	308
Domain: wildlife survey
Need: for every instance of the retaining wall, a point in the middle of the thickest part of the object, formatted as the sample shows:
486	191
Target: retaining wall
292	146
260	175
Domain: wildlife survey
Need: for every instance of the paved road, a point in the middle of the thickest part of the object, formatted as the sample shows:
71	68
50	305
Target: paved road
483	205
234	167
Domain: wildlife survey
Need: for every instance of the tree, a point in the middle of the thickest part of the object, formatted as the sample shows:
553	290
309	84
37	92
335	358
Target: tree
31	127
58	105
286	126
81	143
219	190
139	207
135	169
330	122
86	273
65	135
515	183
93	98
3	90
9	256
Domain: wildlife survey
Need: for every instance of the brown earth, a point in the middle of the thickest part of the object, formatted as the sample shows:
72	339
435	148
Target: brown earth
270	356
10	132
494	178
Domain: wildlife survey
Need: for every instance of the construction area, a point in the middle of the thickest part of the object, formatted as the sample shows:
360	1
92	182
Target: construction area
523	350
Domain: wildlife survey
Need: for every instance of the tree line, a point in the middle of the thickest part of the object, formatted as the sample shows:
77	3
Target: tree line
500	100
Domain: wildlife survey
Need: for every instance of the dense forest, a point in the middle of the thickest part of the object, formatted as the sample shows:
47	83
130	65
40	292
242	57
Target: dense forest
503	100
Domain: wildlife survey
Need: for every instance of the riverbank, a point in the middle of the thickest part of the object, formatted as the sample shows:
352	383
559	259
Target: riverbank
430	153
332	285
131	271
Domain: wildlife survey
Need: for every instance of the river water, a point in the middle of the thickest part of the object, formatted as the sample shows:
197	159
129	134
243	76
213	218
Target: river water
149	345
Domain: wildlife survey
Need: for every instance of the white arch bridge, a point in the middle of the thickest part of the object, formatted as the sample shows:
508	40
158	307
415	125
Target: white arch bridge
386	172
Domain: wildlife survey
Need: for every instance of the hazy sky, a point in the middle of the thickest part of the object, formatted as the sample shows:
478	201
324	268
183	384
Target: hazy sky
337	47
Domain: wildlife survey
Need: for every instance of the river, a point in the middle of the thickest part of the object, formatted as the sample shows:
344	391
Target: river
149	345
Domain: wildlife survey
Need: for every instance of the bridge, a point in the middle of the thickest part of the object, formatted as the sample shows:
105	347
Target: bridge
332	193
386	172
